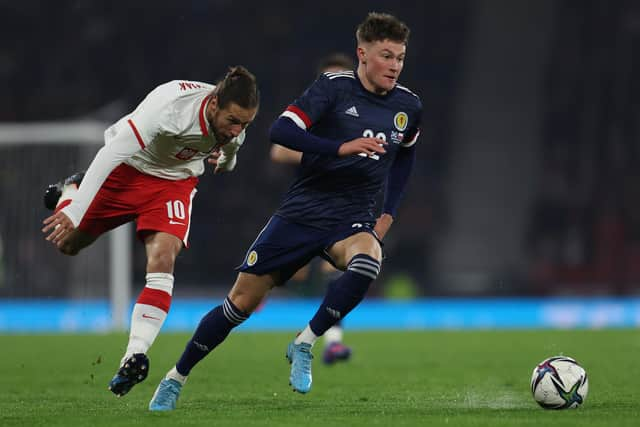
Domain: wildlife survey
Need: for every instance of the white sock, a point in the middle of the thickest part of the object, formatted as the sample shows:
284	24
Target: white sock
146	319
173	374
306	336
333	334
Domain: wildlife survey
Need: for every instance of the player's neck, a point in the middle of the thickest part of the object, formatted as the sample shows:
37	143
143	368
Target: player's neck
368	85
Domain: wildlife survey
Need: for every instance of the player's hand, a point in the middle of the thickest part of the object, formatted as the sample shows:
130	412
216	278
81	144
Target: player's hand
383	223
213	160
368	146
59	228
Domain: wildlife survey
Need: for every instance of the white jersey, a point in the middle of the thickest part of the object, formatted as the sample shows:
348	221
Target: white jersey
171	127
167	135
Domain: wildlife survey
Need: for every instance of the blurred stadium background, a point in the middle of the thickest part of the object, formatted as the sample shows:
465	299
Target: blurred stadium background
523	210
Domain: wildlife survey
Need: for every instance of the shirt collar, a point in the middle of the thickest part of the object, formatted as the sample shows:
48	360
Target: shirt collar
204	122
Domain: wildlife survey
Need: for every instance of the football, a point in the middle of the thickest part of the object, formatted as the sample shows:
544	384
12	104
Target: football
559	382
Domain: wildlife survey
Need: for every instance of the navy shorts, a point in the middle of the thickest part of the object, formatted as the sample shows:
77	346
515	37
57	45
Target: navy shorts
286	246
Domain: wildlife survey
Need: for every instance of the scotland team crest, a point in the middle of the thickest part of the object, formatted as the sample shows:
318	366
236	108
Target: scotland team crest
252	258
401	120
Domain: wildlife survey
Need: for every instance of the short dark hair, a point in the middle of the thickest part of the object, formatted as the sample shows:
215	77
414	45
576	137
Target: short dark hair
382	26
337	59
238	86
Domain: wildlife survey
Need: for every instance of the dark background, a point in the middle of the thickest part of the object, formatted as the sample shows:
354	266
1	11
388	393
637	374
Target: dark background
526	181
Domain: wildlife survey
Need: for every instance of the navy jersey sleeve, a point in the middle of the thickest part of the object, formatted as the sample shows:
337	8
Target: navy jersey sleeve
397	180
313	103
402	166
412	134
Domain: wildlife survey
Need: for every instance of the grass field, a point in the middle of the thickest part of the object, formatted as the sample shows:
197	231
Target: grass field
394	379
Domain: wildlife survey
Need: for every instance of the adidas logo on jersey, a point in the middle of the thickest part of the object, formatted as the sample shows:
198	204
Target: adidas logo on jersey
352	112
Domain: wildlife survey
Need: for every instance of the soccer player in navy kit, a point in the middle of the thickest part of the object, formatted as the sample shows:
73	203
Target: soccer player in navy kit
334	348
357	132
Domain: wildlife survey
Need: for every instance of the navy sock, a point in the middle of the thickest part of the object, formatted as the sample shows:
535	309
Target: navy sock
212	330
345	293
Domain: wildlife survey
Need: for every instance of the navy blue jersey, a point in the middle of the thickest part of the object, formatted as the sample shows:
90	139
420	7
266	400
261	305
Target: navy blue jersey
330	190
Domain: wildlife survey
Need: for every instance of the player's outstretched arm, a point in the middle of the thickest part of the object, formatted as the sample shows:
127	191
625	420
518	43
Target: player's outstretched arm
285	132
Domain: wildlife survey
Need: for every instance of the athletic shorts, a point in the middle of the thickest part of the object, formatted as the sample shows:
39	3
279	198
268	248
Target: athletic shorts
286	246
156	204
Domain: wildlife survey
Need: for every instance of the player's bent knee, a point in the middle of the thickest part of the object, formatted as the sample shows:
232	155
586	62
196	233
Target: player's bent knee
365	265
374	250
366	244
358	244
375	253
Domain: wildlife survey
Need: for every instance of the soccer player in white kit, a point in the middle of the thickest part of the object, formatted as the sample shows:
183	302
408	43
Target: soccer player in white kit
147	171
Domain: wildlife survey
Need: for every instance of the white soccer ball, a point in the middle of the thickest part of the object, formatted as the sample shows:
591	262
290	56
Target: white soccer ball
559	382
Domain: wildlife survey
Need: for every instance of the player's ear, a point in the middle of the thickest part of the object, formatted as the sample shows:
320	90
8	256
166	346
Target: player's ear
214	102
362	54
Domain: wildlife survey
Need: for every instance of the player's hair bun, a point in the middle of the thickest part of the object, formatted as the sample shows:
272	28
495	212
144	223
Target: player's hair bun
238	86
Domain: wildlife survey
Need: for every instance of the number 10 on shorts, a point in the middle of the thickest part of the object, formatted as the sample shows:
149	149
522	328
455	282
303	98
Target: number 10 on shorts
175	209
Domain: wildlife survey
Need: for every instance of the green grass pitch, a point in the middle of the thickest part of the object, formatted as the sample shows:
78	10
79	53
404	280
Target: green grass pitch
466	378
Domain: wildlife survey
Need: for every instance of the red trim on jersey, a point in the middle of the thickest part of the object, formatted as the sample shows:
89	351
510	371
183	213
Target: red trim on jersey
156	298
62	205
203	121
303	116
136	133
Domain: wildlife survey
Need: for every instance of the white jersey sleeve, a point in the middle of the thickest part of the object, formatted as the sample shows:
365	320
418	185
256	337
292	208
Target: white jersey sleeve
126	137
